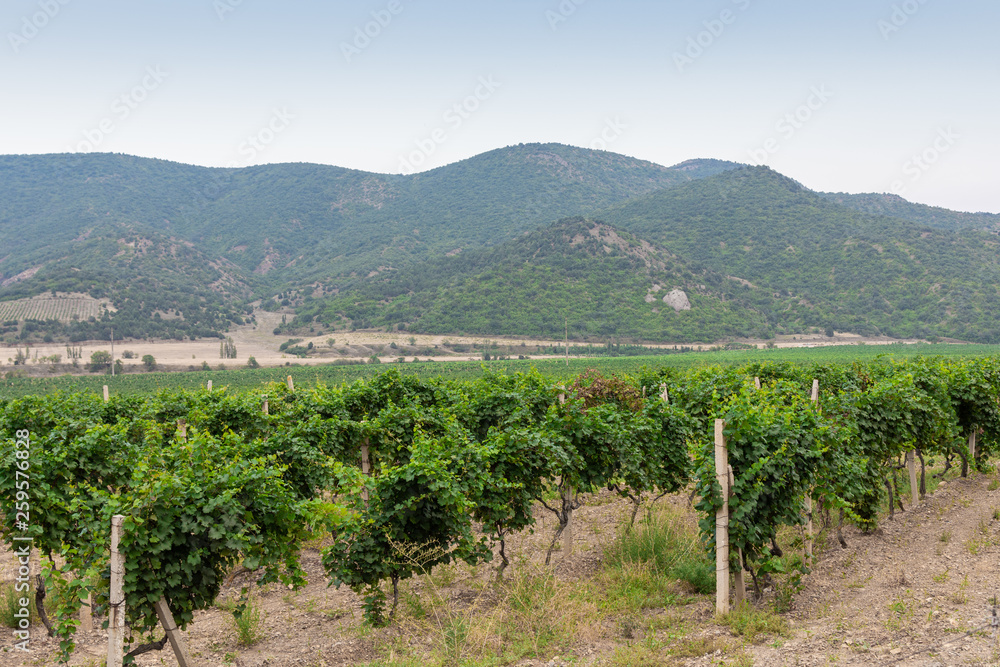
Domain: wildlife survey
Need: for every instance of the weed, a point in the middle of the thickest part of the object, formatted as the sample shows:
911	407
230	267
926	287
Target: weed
902	610
248	619
751	623
961	596
10	605
632	587
994	485
695	648
943	577
668	546
945	536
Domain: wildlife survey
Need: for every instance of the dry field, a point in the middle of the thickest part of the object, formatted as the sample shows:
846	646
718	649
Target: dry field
260	343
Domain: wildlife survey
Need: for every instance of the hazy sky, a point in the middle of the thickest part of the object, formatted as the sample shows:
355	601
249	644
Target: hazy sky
852	95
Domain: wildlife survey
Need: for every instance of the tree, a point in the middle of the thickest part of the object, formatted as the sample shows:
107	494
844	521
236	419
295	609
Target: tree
100	361
149	362
227	348
252	363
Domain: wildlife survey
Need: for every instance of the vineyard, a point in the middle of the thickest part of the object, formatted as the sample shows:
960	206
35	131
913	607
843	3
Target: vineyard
63	309
136	382
408	474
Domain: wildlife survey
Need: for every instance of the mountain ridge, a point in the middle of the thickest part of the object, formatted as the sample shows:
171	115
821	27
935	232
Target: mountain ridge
292	234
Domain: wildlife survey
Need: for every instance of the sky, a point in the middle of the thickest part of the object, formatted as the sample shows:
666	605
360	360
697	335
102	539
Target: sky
896	96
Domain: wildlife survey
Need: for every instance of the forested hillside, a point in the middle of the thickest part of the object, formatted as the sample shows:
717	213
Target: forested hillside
931	216
598	281
189	251
853	271
224	235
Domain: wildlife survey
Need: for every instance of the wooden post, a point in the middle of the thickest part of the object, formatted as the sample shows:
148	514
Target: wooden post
173	634
182	429
911	465
209	385
809	501
664	394
756	382
972	445
366	467
86	617
722	523
107	396
265	405
291	384
116	612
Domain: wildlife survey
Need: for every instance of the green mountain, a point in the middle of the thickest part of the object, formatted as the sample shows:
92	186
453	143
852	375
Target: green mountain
599	280
272	228
852	270
929	216
471	247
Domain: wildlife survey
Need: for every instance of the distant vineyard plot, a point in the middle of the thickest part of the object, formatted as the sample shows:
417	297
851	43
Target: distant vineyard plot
55	308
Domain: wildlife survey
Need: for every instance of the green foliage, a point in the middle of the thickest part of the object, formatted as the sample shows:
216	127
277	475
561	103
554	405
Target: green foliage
149	362
662	540
227	348
245	486
99	361
423	504
776	439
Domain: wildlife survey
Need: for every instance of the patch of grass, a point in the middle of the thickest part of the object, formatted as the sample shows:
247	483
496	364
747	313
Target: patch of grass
994	485
632	587
669	547
943	577
248	620
945	536
640	655
753	624
10	604
961	596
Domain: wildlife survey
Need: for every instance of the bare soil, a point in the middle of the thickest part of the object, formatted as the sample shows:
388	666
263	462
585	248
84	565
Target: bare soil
258	341
918	592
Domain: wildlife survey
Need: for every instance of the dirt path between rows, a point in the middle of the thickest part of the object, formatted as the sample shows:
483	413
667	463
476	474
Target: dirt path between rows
909	594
